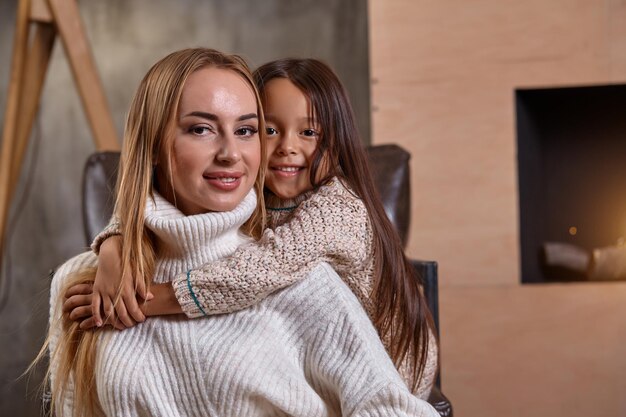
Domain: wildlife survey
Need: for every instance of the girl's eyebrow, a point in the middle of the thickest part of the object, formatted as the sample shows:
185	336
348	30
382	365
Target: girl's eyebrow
214	117
313	120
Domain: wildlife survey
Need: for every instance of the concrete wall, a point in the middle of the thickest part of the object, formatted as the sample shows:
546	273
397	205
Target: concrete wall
444	75
127	37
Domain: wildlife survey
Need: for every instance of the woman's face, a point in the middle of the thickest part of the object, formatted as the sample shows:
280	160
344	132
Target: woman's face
292	137
217	151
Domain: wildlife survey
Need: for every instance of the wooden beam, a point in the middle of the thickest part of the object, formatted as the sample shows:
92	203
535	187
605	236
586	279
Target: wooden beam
72	33
35	69
39	11
20	44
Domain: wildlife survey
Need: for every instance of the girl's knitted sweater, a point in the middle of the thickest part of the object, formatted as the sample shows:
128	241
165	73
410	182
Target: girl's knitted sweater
307	350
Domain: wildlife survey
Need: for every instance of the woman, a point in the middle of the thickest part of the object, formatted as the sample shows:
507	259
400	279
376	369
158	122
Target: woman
189	192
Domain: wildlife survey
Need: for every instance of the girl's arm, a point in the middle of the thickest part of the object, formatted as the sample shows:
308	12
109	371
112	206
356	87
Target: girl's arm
115	294
111	229
332	226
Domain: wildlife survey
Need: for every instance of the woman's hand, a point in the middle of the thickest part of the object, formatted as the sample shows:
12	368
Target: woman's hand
109	281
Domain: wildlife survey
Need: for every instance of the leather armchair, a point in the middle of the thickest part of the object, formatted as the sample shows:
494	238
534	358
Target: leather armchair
390	166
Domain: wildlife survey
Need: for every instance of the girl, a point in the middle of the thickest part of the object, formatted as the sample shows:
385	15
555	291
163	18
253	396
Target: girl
322	208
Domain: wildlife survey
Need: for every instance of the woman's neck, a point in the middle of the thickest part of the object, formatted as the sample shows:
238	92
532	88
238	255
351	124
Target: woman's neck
184	242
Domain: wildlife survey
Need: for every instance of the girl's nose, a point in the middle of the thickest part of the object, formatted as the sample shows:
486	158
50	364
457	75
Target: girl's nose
287	145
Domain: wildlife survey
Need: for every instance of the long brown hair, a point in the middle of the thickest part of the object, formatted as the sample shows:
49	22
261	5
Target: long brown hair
401	315
149	129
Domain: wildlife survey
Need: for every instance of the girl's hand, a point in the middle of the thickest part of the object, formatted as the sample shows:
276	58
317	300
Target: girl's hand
78	305
108	281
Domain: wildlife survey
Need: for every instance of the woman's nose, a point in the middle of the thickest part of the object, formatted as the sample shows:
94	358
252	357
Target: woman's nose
229	151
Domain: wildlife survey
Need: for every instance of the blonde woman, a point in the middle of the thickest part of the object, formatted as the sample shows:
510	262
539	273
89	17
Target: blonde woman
189	192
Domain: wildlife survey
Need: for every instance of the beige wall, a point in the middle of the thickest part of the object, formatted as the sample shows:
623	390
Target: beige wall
443	80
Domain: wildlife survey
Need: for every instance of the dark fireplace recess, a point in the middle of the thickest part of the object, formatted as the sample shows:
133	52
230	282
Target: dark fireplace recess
572	182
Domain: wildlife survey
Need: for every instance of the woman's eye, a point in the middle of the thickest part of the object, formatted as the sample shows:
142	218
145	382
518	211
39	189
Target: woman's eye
246	131
271	131
309	132
199	130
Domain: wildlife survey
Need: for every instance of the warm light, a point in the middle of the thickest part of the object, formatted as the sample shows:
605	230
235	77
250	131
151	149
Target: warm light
573	230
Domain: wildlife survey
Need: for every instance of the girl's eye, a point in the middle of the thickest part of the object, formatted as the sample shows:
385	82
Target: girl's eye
271	131
246	131
309	132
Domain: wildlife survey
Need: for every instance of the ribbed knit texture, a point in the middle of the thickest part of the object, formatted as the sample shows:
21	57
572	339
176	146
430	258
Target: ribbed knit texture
308	350
329	225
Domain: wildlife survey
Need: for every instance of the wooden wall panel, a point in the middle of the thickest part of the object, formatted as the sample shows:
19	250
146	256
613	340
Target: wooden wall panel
443	81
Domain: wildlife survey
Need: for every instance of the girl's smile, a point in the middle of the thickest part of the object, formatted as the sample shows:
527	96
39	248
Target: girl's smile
292	136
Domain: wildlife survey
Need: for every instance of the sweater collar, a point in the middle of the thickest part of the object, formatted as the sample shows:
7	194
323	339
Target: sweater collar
203	237
275	203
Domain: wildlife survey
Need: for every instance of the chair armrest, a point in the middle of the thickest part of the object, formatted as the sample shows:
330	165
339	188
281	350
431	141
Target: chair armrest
427	271
440	402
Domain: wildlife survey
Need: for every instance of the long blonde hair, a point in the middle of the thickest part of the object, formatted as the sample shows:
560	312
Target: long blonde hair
149	130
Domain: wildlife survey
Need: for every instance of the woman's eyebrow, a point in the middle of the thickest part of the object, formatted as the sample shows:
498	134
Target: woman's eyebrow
247	117
204	115
214	117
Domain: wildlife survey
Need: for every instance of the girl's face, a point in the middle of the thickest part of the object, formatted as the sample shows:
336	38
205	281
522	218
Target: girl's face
216	151
292	137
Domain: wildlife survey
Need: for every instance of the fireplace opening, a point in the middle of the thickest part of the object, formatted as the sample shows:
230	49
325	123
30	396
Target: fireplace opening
571	145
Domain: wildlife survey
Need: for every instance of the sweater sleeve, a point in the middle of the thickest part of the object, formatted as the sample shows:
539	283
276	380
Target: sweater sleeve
346	356
393	400
332	226
111	229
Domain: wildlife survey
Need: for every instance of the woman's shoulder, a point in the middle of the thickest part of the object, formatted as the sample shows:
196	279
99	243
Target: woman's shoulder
323	290
78	263
81	261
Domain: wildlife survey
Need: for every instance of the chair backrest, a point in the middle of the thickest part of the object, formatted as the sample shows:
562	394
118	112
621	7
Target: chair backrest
389	163
390	168
99	177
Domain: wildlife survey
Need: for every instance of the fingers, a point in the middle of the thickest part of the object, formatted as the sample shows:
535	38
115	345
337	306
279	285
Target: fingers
77	289
88	324
122	313
109	310
75	301
132	306
80	312
96	302
140	288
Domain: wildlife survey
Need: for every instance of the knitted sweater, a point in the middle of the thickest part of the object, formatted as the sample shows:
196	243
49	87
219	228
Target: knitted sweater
330	225
308	350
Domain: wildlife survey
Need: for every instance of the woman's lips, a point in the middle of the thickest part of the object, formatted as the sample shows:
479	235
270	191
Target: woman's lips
225	181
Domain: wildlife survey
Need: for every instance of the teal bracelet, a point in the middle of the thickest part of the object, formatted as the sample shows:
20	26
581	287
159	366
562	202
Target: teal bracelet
195	299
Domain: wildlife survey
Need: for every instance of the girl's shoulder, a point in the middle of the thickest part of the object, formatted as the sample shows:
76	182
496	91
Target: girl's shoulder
334	199
335	188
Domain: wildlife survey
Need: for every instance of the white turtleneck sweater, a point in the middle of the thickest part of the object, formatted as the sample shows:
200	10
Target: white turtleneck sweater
307	350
